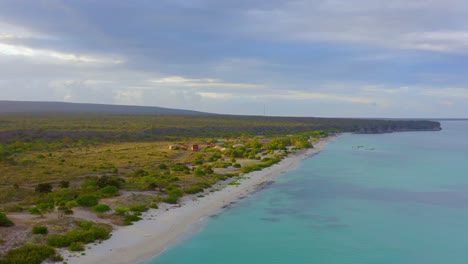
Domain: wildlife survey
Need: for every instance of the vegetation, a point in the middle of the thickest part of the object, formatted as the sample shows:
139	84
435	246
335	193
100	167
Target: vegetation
28	254
86	232
101	208
4	221
40	230
62	164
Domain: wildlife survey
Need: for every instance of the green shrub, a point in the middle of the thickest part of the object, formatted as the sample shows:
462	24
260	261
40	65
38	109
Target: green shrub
251	168
57	258
101	208
76	246
40	230
87	232
175	192
130	218
194	188
199	173
87	200
4	221
57	240
90	183
171	200
221	164
179	167
140	173
28	254
121	210
86	225
139	208
109	191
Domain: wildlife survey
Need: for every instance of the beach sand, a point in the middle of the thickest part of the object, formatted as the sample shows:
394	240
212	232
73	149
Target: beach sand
162	227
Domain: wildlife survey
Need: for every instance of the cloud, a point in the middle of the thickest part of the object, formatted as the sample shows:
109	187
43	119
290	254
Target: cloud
299	57
302	95
446	92
203	82
390	24
40	54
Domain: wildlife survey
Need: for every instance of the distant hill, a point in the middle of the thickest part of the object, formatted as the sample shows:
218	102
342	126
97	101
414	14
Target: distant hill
68	108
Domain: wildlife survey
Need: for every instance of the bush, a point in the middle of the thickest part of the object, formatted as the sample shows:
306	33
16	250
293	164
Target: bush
221	164
194	188
87	200
171	200
4	221
76	246
57	240
101	208
40	230
179	167
110	181
140	173
64	184
28	254
44	188
162	166
87	232
199	172
130	218
139	208
86	224
109	191
250	168
121	210
90	183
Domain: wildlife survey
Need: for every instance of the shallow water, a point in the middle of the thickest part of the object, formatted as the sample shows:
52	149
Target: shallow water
400	198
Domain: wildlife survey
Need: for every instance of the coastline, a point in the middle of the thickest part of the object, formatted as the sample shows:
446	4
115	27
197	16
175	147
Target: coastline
161	228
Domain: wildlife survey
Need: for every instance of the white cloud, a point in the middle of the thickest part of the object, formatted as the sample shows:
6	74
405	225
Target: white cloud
384	90
38	54
446	92
203	82
209	95
304	95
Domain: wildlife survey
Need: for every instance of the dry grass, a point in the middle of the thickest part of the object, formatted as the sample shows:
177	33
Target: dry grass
72	164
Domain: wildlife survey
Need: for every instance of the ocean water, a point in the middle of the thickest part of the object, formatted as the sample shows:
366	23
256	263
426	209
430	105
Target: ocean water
399	198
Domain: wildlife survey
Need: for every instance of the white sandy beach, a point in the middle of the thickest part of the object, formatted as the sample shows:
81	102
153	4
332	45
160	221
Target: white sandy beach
162	227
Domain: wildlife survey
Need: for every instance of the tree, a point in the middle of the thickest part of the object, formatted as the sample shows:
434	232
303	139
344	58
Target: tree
41	209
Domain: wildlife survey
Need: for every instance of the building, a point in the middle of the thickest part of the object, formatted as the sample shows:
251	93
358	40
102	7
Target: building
195	147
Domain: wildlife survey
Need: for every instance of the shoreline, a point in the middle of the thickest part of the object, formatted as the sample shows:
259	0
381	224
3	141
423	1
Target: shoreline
162	228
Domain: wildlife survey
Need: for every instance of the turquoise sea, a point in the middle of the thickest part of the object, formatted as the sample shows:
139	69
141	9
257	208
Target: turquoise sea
387	198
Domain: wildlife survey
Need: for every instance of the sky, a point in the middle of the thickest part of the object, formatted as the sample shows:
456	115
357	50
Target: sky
329	58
